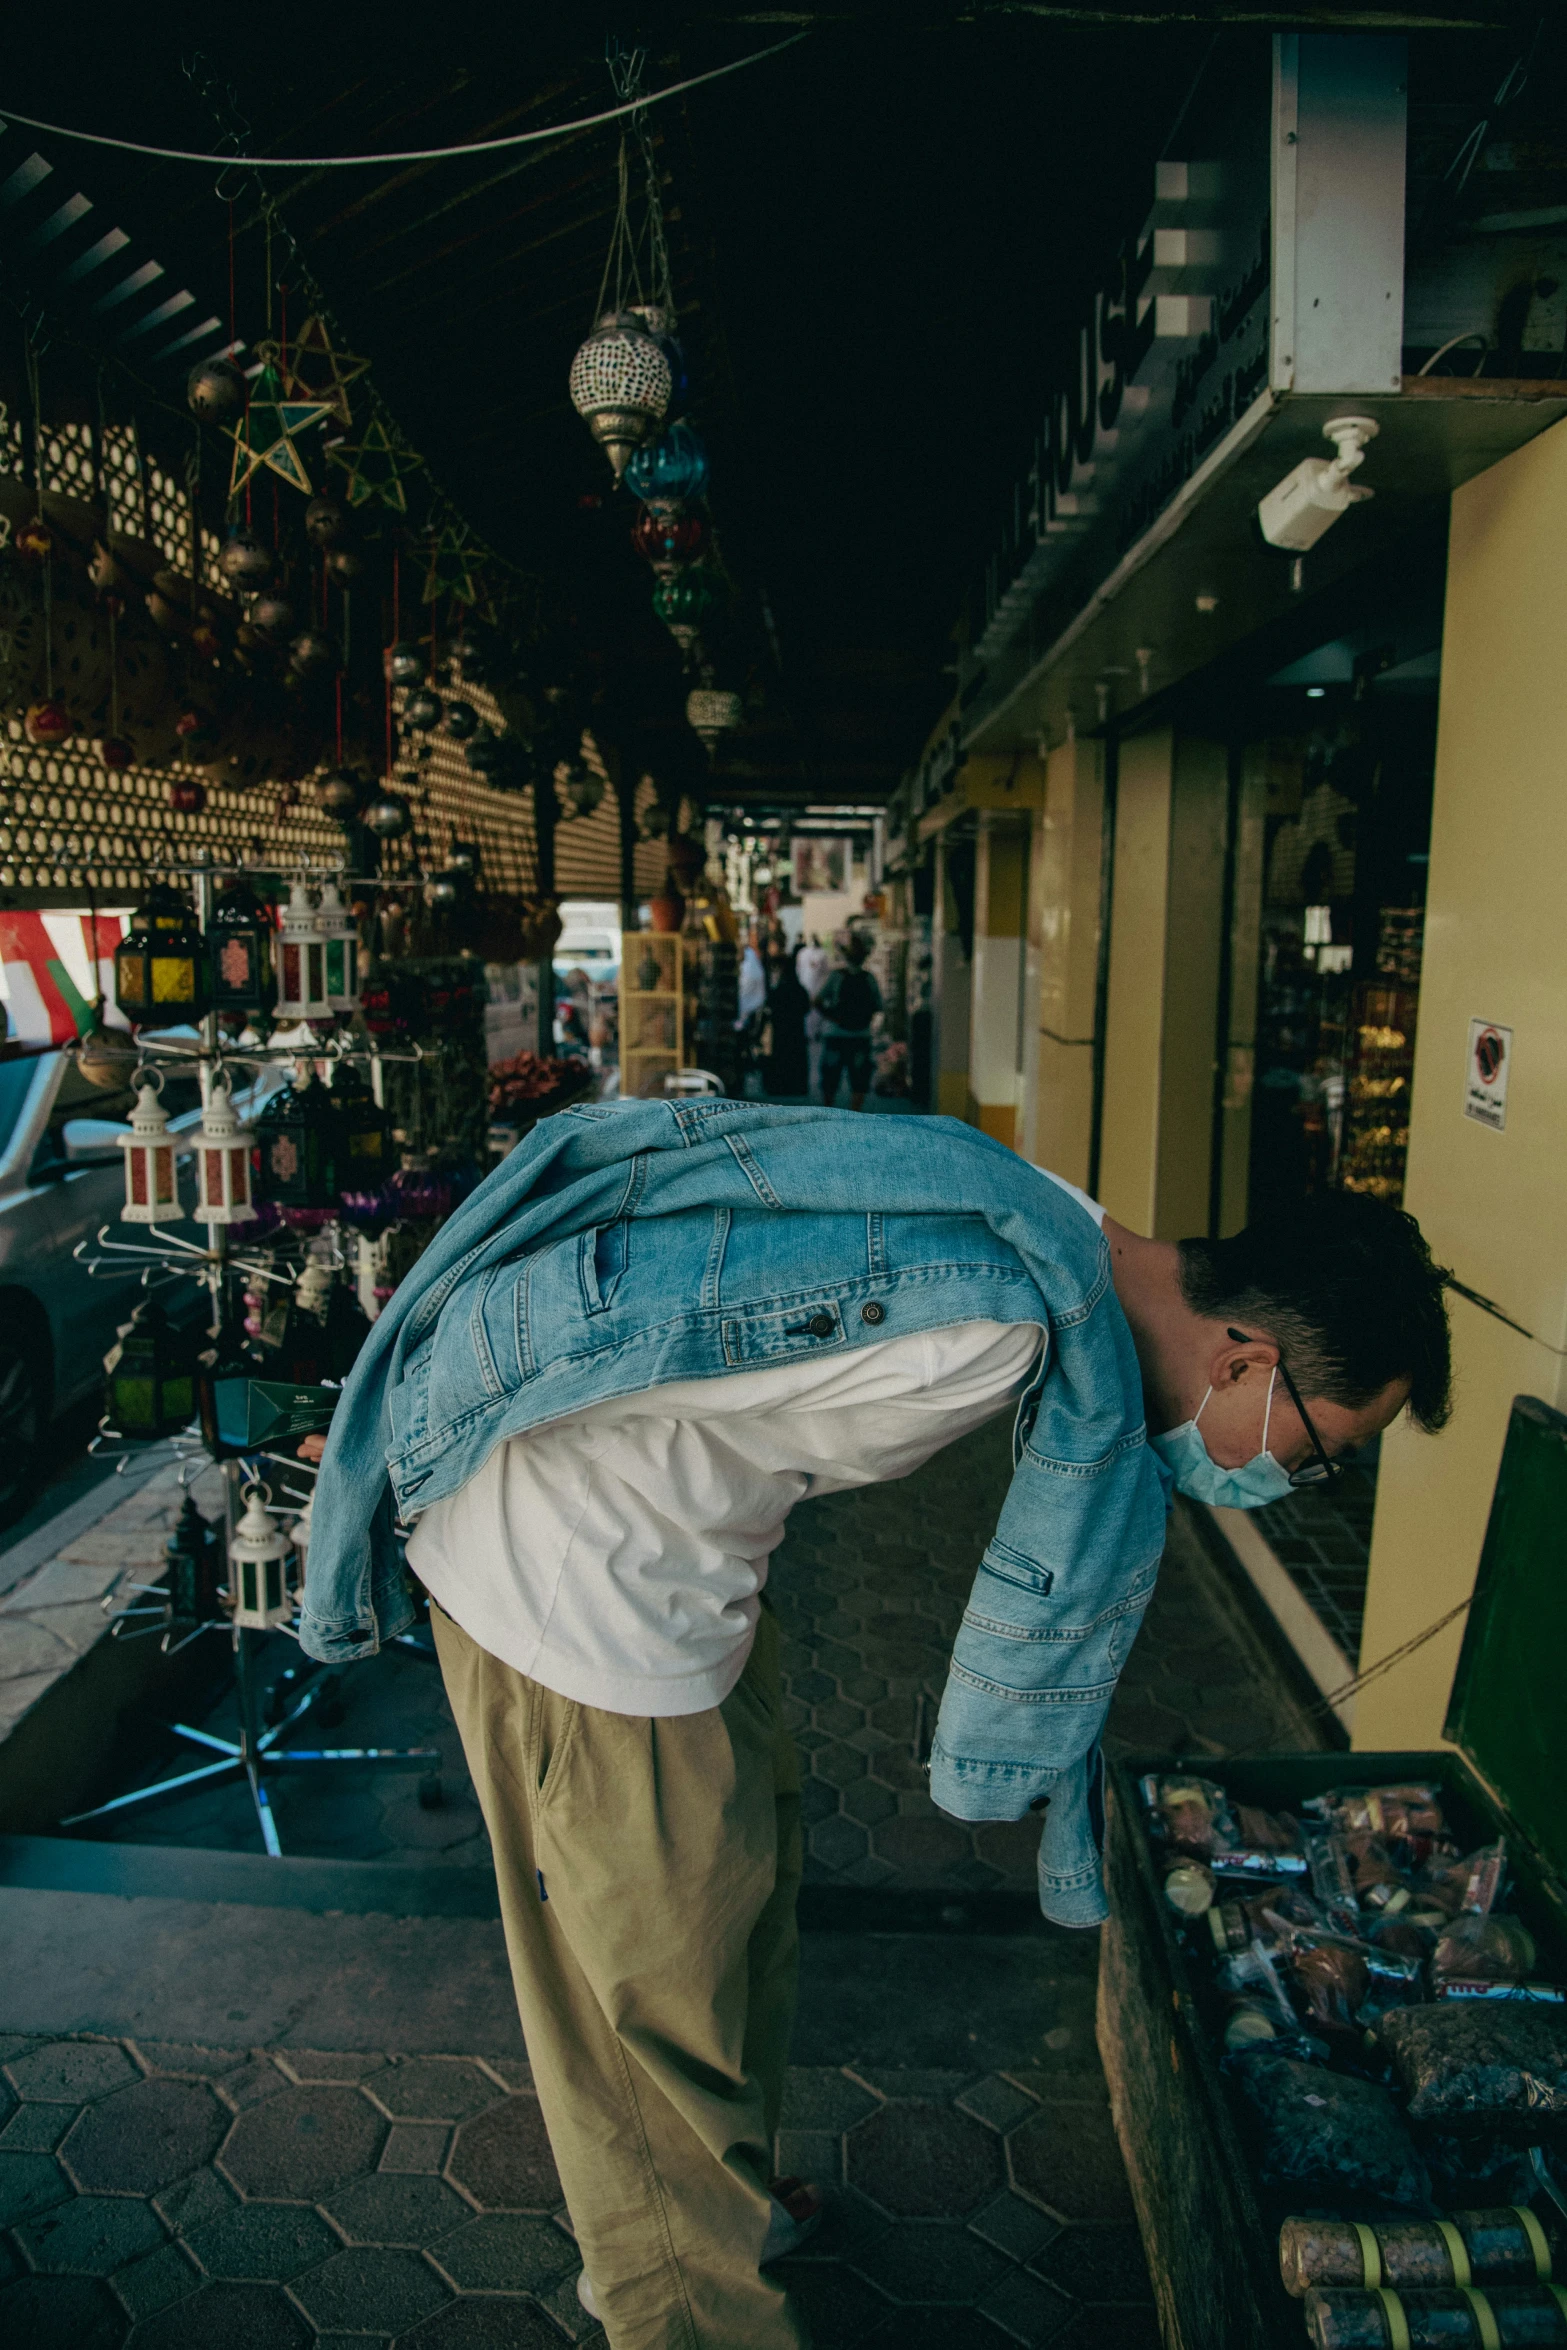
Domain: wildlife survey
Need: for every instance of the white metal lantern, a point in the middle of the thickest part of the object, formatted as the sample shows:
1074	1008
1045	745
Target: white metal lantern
340	938
257	1550
620	385
712	713
300	1537
151	1190
301	961
223	1147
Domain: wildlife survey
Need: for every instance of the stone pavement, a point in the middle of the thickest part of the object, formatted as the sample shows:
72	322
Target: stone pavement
945	2086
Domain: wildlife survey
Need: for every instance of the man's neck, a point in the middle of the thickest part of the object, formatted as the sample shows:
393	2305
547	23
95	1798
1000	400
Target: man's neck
1147	1283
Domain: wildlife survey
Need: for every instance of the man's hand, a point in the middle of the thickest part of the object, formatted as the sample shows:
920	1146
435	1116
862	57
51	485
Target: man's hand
311	1448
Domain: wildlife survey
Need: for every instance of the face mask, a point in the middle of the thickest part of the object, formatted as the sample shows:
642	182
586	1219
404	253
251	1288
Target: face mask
1250	1487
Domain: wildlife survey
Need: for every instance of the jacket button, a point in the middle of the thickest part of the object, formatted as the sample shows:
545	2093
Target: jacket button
820	1325
873	1312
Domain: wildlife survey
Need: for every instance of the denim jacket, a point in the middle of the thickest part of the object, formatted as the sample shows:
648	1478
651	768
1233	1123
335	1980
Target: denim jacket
624	1245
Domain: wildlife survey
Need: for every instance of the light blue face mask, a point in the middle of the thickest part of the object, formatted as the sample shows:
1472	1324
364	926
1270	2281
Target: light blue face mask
1250	1487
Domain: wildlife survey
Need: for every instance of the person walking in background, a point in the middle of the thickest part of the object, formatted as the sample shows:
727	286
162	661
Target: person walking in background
848	1004
812	964
786	1057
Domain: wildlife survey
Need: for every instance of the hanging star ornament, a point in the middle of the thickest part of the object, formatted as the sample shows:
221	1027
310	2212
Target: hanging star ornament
317	370
267	432
452	568
375	467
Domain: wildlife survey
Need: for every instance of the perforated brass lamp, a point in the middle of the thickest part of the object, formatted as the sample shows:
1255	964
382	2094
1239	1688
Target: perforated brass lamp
160	966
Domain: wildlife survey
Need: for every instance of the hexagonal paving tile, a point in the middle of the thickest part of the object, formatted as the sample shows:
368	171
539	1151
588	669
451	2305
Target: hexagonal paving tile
922	1846
493	2323
74	2311
840	2307
838	1764
302	2142
226	2317
275	2240
90	2236
1098	2264
1069	2161
837	1843
819	2097
396	2208
506	2253
141	2138
920	2160
371	2291
432	2089
923	2261
28	2183
69	2072
504	2160
1101	2327
36	2129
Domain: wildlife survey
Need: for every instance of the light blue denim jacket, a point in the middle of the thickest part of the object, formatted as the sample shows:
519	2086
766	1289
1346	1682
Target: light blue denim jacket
624	1245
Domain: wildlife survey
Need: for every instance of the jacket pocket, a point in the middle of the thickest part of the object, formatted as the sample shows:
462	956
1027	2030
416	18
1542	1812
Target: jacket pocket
1007	1565
602	1254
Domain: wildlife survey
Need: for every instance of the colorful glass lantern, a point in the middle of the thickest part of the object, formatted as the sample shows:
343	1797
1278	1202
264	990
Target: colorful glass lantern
258	1546
294	1159
683	603
152	1374
151	1188
364	1132
239	944
672	472
223	1147
192	1557
669	541
301	961
340	940
160	966
620	385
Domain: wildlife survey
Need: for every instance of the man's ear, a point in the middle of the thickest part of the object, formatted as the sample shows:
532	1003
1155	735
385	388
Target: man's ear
1241	1358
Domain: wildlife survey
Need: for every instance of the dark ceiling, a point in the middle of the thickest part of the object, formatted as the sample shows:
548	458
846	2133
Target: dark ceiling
876	235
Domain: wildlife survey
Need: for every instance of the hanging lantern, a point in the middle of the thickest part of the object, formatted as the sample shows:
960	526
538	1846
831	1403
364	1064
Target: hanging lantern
152	1374
245	561
463	857
151	1189
712	713
296	1141
216	391
683	603
340	938
660	326
239	944
364	1131
423	709
338	795
388	817
192	1560
299	1536
160	966
669	541
653	823
405	664
582	787
301	960
258	1590
620	385
223	1147
47	723
672	471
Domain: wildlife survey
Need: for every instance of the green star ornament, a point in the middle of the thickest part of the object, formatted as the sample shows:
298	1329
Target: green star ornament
267	432
317	370
375	468
452	572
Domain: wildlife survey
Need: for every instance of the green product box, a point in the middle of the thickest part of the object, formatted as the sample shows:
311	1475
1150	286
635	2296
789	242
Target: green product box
252	1412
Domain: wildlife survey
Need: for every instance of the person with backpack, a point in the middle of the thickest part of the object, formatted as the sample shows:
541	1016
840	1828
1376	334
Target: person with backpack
848	1004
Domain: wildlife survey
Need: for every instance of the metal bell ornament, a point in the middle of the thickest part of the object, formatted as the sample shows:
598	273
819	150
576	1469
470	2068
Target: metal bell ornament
245	562
223	1147
151	1189
301	961
445	891
326	521
339	934
216	391
712	713
258	1546
462	720
312	654
423	709
406	664
671	472
272	617
468	653
388	816
345	564
620	385
486	751
582	787
338	795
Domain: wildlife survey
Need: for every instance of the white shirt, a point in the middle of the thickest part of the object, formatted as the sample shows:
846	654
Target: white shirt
811	966
618	1556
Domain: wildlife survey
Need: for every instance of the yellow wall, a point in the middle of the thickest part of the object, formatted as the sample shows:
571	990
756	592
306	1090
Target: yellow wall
996	1003
1490	1204
1164	970
1064	947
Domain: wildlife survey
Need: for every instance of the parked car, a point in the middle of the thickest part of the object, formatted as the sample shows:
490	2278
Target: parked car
61	1179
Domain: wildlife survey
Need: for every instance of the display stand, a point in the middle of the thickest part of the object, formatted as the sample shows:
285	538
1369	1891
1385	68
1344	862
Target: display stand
656	973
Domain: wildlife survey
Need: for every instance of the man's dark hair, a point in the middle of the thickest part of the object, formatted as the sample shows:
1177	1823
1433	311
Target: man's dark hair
1347	1288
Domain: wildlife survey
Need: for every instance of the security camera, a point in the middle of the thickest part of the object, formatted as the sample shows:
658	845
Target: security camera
1307	501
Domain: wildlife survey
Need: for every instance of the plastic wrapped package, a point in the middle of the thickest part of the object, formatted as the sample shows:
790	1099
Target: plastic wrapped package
1474	2170
1412	1809
1328	2138
1483	1950
1506	2246
1483	2066
1453	2317
1236	1923
1472	1881
1189	1814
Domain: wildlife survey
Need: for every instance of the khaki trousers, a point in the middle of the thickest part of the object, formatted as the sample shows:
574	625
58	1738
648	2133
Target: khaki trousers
647	1874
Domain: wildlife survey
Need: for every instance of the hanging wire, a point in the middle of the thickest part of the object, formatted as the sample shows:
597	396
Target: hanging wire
625	73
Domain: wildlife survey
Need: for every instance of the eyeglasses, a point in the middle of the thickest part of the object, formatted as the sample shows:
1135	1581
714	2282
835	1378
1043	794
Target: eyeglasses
1313	1472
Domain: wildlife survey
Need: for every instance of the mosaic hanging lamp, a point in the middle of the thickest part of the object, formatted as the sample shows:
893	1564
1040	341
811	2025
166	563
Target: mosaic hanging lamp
152	1374
620	385
161	966
711	713
151	1189
222	1147
301	960
671	471
258	1547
